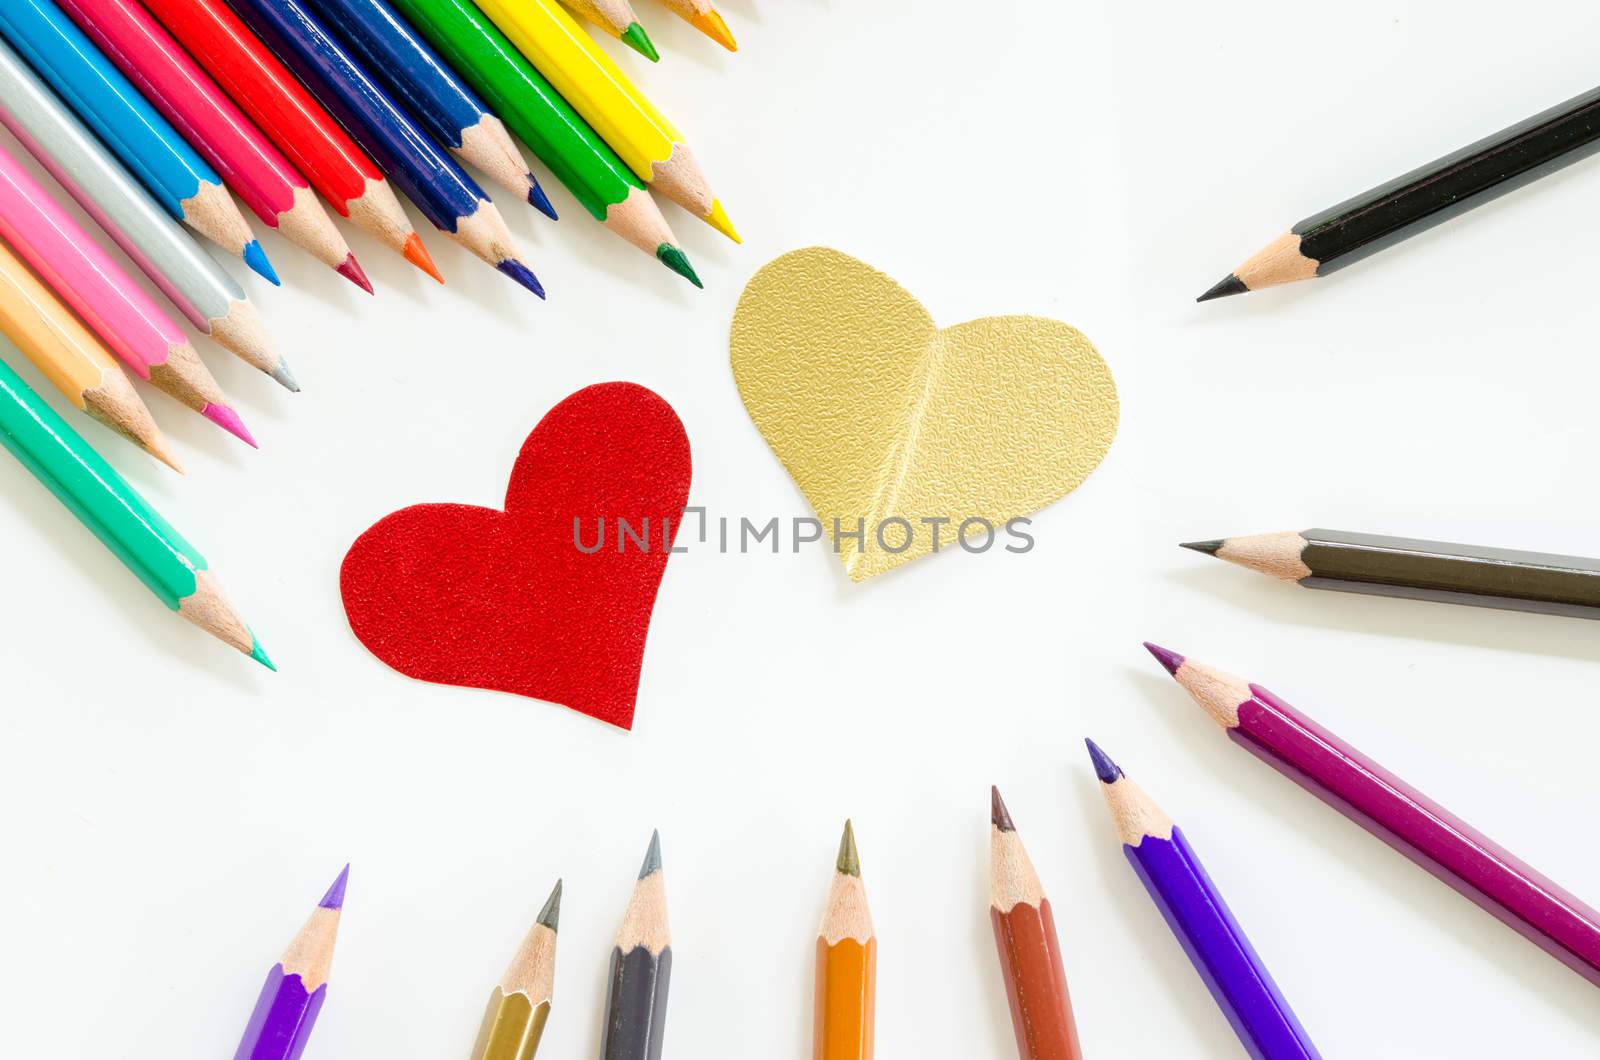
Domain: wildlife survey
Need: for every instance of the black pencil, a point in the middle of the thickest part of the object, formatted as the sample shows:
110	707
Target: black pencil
1340	236
1419	570
641	969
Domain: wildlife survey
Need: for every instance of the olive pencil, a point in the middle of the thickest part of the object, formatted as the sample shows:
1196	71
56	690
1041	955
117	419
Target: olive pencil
1030	949
185	185
213	124
641	969
1400	208
291	998
847	964
616	17
1385	805
519	1005
1202	922
442	104
202	290
432	180
583	162
102	500
1419	570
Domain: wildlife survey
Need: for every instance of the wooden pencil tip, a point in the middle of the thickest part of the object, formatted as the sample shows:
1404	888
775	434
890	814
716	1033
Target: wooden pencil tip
158	448
636	38
539	200
1208	547
416	252
1228	285
259	654
256	258
1104	768
712	25
652	857
999	816
522	274
334	899
351	270
848	862
1168	658
550	915
718	219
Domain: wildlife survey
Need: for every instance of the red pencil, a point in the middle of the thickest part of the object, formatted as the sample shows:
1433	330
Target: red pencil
293	120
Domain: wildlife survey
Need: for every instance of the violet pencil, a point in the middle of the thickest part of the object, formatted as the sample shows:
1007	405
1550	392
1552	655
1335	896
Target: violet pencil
294	991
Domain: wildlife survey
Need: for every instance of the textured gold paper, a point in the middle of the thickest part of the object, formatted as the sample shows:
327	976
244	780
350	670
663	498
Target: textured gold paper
877	413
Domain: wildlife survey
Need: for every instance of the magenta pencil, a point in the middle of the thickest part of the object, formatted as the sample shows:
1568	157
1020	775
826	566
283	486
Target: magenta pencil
294	991
1395	812
215	127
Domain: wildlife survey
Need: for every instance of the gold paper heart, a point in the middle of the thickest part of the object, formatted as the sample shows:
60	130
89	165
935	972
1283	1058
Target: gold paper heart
879	414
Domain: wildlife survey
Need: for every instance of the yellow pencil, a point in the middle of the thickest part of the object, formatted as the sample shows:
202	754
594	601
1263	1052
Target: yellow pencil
72	359
650	144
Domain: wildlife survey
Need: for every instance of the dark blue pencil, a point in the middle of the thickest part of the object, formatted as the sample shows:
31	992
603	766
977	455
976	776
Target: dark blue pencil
419	167
414	73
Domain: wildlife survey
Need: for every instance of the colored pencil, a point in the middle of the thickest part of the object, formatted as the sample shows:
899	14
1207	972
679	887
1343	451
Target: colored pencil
442	104
1395	812
187	188
286	1011
1400	208
116	309
432	180
847	964
282	108
1029	948
588	79
703	16
520	1003
202	290
103	501
1204	925
616	17
641	969
215	127
1419	570
535	111
72	360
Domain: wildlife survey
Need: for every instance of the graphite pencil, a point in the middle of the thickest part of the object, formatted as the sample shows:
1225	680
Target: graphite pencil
1419	570
641	969
519	1005
616	17
847	964
291	998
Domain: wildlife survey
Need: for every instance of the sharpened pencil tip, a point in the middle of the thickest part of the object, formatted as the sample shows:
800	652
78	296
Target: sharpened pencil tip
158	448
676	260
285	378
848	863
550	915
636	38
351	270
718	219
652	857
539	200
522	274
259	654
1165	656
229	421
1208	547
1104	768
1228	285
256	258
334	899
416	252
999	816
712	25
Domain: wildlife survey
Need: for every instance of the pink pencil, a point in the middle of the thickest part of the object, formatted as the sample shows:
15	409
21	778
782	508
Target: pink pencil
114	307
183	92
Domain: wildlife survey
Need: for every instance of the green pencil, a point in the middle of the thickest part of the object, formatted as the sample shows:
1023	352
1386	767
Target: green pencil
544	121
104	502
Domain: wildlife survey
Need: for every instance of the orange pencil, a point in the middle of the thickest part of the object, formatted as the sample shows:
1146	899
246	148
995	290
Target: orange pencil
847	964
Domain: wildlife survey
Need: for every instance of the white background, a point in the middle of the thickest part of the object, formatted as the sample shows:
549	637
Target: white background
172	812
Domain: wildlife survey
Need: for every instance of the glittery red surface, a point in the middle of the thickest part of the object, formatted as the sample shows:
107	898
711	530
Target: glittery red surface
504	599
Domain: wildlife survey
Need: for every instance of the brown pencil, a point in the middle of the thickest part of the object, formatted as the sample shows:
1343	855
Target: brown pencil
847	964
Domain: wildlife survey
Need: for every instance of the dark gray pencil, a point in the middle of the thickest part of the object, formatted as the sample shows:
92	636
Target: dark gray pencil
1419	570
641	969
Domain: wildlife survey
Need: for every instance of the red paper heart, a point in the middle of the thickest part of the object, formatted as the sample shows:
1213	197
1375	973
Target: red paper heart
507	600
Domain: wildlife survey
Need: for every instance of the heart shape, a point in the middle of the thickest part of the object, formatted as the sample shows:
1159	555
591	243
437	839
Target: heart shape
881	416
508	600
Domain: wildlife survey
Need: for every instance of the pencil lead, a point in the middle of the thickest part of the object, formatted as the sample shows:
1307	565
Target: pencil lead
712	25
229	421
259	654
256	258
1229	284
718	219
522	274
159	449
1208	547
334	899
1165	656
285	377
999	816
1104	768
676	260
416	252
351	270
550	915
636	38
539	200
652	857
848	862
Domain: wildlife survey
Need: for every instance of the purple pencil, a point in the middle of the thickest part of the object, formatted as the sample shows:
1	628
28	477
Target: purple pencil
295	988
1396	812
1197	915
